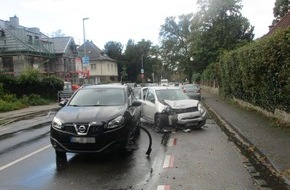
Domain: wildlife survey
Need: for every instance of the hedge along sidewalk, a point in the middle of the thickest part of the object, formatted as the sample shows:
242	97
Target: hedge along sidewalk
282	116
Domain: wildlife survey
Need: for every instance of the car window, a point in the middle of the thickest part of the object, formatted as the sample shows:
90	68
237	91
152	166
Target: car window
137	92
98	97
131	95
170	94
144	93
150	96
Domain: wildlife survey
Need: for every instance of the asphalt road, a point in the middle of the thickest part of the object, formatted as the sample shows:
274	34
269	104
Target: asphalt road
199	159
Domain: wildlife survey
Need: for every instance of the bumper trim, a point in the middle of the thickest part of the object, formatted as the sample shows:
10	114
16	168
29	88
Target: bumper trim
58	146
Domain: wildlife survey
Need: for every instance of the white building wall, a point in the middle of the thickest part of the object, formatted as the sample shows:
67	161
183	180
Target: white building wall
104	68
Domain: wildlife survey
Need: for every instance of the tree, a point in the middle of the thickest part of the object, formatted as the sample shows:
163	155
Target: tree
123	73
281	8
154	58
134	55
131	59
57	33
175	45
218	26
114	50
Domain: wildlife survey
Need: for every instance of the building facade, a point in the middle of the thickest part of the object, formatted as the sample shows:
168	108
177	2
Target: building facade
101	67
22	47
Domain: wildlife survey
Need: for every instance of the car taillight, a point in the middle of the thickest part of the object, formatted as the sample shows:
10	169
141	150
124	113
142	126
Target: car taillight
198	91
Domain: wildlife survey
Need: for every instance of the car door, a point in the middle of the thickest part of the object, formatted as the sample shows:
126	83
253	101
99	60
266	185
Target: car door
149	105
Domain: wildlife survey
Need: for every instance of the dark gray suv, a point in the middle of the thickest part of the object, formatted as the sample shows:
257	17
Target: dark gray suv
97	118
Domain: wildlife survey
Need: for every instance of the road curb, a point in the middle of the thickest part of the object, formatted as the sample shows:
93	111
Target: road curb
27	115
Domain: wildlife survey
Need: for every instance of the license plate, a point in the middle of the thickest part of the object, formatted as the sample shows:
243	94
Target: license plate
191	124
83	140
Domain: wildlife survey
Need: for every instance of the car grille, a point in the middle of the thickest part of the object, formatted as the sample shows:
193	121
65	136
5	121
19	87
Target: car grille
186	110
90	129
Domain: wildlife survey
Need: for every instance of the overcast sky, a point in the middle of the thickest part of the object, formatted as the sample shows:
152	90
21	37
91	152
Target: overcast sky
117	20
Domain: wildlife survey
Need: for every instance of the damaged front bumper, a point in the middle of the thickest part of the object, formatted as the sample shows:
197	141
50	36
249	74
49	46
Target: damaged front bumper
190	119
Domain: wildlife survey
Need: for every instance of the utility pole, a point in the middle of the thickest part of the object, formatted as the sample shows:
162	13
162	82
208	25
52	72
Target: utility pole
85	54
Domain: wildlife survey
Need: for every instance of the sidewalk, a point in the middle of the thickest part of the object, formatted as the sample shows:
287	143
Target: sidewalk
16	115
254	131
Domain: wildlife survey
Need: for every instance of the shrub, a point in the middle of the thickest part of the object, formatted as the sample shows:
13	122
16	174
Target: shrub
10	106
33	100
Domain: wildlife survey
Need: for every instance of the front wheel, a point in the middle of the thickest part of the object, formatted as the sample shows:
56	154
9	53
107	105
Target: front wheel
158	122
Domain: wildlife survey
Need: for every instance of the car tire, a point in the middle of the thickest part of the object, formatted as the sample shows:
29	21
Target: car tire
158	122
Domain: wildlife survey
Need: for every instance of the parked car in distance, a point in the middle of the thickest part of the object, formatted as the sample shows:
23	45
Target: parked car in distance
169	106
152	84
67	91
97	118
164	82
192	91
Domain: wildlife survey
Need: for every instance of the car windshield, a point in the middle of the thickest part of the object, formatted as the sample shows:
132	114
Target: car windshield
170	94
99	97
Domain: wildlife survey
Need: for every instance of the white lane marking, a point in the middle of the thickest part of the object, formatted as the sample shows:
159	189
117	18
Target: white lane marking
163	187
168	161
24	157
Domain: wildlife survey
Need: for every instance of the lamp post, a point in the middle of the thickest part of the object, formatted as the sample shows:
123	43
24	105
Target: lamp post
84	59
84	35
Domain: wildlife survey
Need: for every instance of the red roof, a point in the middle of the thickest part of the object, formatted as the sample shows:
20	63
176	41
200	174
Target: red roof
284	23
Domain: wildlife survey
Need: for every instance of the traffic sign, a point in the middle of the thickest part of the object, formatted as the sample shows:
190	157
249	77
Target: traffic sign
85	60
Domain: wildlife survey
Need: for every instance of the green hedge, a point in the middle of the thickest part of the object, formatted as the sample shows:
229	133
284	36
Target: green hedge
259	72
31	82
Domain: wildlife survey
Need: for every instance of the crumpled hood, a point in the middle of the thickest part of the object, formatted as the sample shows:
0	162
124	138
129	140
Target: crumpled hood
71	114
177	104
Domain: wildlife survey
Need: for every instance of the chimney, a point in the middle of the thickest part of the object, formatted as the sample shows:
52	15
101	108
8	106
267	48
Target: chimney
14	21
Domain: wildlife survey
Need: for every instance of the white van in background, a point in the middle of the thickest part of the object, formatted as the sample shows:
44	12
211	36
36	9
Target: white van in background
164	82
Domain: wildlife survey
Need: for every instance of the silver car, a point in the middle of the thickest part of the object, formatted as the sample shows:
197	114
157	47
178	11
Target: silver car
169	106
192	91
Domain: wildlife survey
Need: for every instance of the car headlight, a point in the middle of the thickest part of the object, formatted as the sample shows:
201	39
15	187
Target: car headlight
115	122
200	108
56	123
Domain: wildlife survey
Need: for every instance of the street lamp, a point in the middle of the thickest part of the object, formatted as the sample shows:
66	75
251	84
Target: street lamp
84	35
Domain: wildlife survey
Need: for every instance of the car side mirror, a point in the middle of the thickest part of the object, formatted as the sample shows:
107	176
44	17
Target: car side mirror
136	103
63	103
